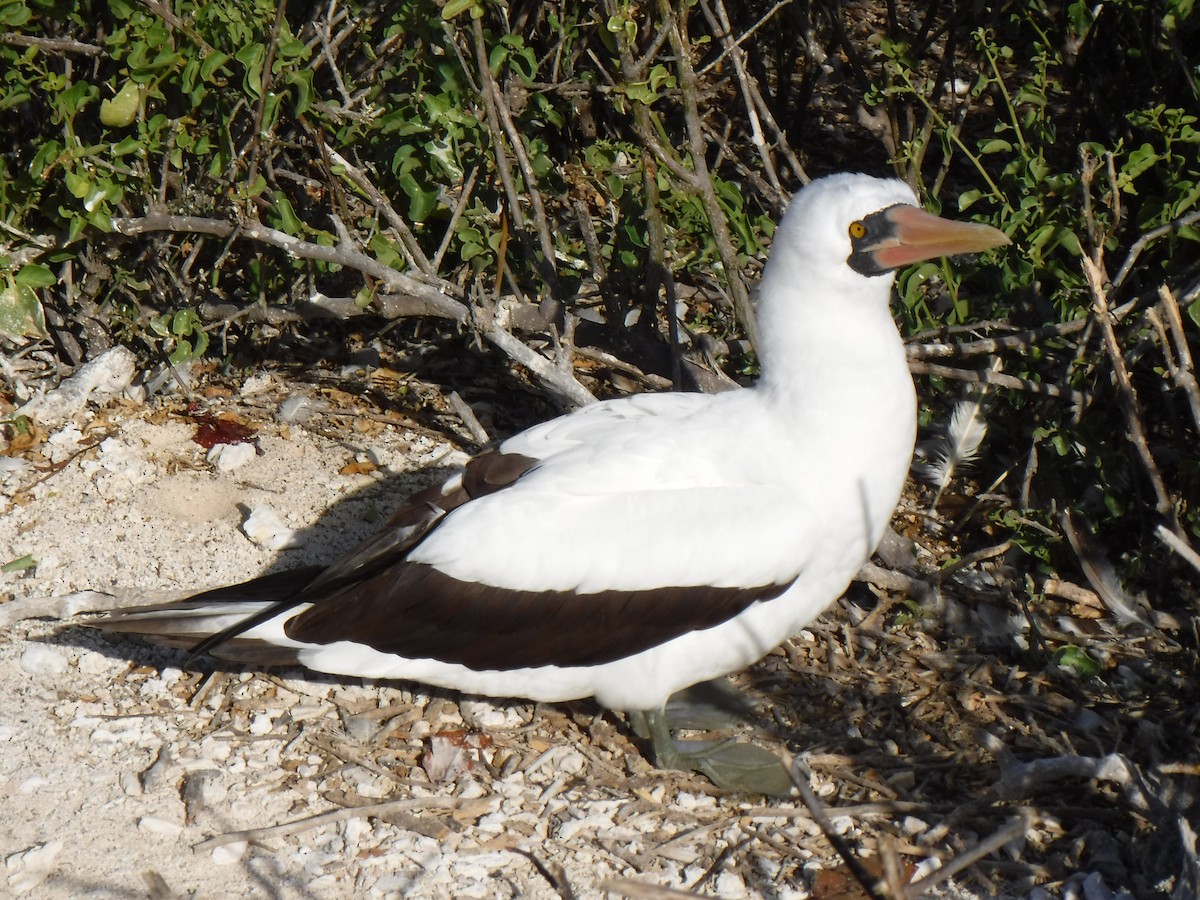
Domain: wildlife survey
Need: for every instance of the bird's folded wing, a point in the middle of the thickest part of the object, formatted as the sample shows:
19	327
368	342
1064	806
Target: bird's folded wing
581	581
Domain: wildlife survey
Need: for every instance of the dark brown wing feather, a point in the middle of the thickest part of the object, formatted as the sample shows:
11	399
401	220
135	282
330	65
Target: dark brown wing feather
417	612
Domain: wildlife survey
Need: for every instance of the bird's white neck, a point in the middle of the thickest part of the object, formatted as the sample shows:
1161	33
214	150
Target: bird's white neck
822	334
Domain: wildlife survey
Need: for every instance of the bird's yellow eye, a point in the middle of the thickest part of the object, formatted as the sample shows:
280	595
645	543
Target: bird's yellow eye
858	230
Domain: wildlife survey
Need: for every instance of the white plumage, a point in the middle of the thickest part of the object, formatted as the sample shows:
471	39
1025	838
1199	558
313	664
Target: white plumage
641	545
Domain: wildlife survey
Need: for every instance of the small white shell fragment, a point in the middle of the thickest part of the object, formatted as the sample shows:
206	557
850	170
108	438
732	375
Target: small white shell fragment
105	376
42	660
228	854
482	715
256	384
227	457
131	786
32	784
11	465
93	663
158	825
31	867
913	825
265	527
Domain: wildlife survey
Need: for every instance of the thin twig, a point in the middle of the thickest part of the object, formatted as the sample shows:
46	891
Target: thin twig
469	419
800	776
1178	544
412	249
388	807
1010	832
1179	363
734	50
1153	234
459	208
702	179
1002	379
1125	388
499	116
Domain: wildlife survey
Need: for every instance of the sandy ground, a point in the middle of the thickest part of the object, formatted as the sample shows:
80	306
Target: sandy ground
116	766
122	775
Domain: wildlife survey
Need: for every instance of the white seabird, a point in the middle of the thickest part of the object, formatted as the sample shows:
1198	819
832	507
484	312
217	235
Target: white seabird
640	545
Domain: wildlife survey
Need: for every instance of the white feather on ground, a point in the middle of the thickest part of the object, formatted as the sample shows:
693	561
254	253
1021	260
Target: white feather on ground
958	448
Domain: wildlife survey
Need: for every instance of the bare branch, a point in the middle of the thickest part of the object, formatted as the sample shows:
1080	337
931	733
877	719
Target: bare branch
1179	545
703	177
412	250
60	46
1125	389
498	110
437	299
387	807
988	376
1179	363
1153	234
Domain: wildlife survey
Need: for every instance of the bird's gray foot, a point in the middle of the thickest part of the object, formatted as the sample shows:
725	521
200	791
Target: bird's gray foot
730	765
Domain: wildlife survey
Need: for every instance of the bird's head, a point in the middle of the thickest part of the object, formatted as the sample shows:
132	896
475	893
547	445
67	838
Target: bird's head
874	226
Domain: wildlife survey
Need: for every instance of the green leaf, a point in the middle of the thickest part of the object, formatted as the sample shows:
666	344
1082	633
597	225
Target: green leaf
302	81
20	564
251	57
14	14
211	63
968	198
455	8
121	110
35	276
283	215
21	314
1076	660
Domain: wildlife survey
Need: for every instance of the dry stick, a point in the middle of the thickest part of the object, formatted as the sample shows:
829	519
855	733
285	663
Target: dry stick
438	299
325	38
640	890
459	208
51	45
432	300
1018	341
660	272
408	804
1011	832
469	419
1178	544
735	52
649	379
1125	390
497	109
412	249
635	71
1182	369
702	178
987	376
727	40
254	148
800	777
1153	234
